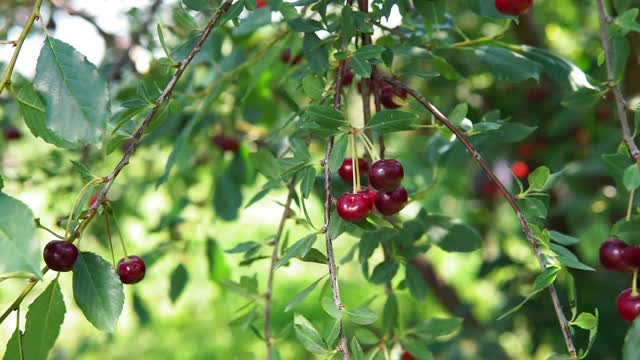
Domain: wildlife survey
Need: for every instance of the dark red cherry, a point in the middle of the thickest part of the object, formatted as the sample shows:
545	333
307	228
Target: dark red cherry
386	175
354	207
631	256
407	355
389	203
392	97
538	94
60	255
346	170
513	7
371	194
285	57
225	143
520	169
261	3
11	133
131	270
628	305
347	80
612	254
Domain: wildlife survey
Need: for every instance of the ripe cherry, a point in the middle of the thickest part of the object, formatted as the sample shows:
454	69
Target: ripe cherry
60	255
371	194
407	355
612	254
520	169
354	207
631	256
285	57
389	203
131	270
628	305
386	175
11	133
392	97
348	78
261	3
346	170
513	7
225	143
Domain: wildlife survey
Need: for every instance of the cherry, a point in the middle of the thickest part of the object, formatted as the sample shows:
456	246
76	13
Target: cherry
389	203
60	255
407	355
520	169
354	207
347	79
631	256
513	7
131	270
538	94
285	57
612	254
603	113
386	175
628	305
371	194
260	3
346	170
392	97
11	133
225	143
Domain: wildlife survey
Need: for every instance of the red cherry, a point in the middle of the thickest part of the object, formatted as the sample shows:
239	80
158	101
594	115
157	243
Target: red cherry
11	133
513	7
261	3
354	207
392	98
346	170
628	305
386	175
131	270
389	203
612	254
285	57
631	256
520	169
347	79
603	113
407	355
371	194
538	94
60	255
225	143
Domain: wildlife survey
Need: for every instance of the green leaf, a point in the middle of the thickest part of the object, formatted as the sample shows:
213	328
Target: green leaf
392	120
347	23
384	272
362	316
432	328
185	20
415	282
390	312
417	349
198	5
313	86
356	349
179	279
302	295
19	248
75	94
451	234
563	239
84	171
244	247
585	321
265	163
308	335
361	66
97	291
338	153
563	72
218	267
323	120
333	332
632	342
44	320
628	21
368	52
631	177
506	64
34	112
298	249
458	113
542	281
305	25
308	178
567	258
13	347
140	309
330	308
227	196
538	178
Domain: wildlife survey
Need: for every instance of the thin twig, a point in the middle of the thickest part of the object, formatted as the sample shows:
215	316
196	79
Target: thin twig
564	325
35	14
613	84
274	259
135	141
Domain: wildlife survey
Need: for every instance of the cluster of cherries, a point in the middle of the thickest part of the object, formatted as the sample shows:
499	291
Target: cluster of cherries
616	255
61	255
385	176
513	7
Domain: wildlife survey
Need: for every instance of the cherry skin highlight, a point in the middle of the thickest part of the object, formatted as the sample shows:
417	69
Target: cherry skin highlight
354	207
346	170
131	270
513	7
60	255
389	203
386	175
628	305
612	254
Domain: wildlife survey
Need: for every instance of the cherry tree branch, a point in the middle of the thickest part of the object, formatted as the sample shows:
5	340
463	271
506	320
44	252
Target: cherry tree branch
135	141
627	135
35	15
564	325
274	259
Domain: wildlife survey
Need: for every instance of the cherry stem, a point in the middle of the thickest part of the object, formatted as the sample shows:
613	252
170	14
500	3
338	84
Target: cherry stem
115	222
39	225
369	147
76	203
106	223
630	205
634	285
355	162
